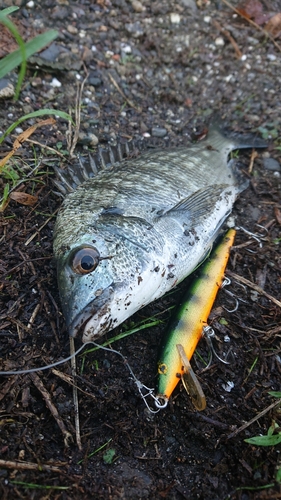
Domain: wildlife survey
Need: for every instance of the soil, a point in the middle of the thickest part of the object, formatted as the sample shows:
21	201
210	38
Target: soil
156	70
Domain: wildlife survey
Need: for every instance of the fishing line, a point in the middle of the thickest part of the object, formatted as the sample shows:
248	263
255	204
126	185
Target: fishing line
138	383
41	368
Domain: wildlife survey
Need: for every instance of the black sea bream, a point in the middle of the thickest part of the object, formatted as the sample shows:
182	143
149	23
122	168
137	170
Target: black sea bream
130	234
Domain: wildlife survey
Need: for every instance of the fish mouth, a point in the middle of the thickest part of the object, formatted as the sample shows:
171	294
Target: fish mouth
94	320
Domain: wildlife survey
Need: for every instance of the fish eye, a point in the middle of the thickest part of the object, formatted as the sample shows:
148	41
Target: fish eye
85	260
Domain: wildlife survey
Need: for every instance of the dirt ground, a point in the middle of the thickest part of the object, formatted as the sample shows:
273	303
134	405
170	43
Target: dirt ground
156	70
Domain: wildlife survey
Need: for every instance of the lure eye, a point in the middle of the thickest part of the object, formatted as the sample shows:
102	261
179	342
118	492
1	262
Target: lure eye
85	260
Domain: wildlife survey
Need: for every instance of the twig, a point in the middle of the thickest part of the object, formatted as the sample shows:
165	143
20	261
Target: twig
7	387
266	33
122	93
230	38
10	464
75	393
72	138
213	422
243	280
44	146
40	229
261	414
33	316
273	331
39	384
254	155
69	380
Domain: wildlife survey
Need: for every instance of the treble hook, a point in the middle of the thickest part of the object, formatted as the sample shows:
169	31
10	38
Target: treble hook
256	237
207	333
226	282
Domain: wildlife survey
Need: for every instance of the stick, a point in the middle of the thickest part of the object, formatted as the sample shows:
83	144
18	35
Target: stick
75	393
10	464
261	414
230	38
258	289
39	384
266	33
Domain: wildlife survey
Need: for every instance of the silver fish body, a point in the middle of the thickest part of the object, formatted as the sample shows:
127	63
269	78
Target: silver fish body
132	233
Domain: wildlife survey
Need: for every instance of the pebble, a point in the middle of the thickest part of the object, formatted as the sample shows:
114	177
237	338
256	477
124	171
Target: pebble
158	132
125	48
7	89
175	18
93	80
228	386
134	29
88	139
137	6
271	57
189	4
72	29
271	164
219	41
55	83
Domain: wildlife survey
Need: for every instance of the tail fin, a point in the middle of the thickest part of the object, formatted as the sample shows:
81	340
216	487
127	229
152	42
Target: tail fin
238	141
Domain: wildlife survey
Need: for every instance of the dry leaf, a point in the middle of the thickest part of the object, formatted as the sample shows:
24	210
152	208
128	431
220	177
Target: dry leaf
252	9
274	25
23	136
24	198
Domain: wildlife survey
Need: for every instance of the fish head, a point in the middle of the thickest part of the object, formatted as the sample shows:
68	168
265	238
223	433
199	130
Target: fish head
103	280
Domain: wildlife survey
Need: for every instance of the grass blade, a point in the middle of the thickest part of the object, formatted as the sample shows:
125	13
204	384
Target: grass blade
35	114
14	59
7	11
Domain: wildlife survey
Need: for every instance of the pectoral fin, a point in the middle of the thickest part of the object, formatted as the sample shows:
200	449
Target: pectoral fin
201	203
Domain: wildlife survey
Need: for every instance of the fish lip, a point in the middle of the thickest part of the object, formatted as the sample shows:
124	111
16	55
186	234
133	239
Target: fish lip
99	306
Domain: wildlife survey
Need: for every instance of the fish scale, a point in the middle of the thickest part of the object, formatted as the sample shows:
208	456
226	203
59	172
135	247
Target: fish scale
131	232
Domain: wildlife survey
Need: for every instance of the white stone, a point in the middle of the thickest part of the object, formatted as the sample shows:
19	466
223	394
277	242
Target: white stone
271	57
228	386
55	83
228	78
175	18
219	41
125	48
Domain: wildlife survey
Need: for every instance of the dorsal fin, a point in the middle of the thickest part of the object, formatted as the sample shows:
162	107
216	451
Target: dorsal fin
72	176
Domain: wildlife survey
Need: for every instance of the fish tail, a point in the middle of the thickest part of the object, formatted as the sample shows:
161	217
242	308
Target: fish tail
217	134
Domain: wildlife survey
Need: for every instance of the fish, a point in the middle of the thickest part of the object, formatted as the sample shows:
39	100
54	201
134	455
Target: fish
187	326
133	231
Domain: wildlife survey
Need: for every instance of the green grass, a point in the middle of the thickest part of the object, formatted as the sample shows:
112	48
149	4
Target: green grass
35	114
25	50
272	438
140	326
34	486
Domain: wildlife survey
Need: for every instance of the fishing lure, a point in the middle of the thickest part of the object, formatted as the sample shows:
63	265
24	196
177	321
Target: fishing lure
187	327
